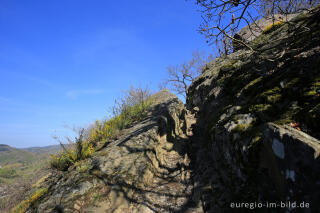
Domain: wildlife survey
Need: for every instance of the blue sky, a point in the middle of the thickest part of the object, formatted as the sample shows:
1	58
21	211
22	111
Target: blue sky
62	63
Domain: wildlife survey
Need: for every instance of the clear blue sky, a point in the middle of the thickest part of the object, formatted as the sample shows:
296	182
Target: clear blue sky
63	62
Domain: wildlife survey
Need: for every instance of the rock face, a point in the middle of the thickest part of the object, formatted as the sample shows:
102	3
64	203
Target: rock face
291	159
248	138
256	139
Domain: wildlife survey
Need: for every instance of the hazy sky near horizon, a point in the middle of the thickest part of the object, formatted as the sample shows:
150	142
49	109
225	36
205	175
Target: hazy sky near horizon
62	63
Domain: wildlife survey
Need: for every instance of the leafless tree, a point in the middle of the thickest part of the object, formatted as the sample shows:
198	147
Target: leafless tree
223	18
181	76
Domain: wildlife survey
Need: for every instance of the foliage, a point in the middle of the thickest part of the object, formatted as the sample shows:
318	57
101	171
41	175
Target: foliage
66	158
61	161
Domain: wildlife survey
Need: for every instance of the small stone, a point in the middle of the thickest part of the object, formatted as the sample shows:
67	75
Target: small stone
76	207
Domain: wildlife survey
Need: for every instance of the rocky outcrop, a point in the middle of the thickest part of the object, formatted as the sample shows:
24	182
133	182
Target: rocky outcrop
145	170
248	139
256	139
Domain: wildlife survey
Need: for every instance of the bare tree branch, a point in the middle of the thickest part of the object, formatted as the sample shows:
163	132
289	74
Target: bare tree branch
181	76
221	19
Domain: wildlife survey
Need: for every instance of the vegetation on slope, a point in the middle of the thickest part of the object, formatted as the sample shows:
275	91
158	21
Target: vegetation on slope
127	110
24	205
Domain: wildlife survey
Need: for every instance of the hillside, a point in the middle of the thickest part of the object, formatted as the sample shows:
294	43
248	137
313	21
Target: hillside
10	155
19	169
17	164
248	135
22	163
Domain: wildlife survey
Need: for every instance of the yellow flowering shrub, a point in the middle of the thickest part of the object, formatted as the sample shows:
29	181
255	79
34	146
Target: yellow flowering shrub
87	150
24	205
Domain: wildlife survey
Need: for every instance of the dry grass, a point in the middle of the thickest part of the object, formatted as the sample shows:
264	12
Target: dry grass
16	194
127	110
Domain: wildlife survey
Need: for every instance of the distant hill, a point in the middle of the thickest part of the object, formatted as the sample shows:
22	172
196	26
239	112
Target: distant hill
4	148
10	155
43	150
23	163
19	169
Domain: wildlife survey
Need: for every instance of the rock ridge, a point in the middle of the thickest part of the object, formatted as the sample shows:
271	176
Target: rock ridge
145	170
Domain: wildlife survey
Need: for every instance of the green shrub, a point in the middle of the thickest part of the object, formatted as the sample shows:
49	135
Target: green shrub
61	161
